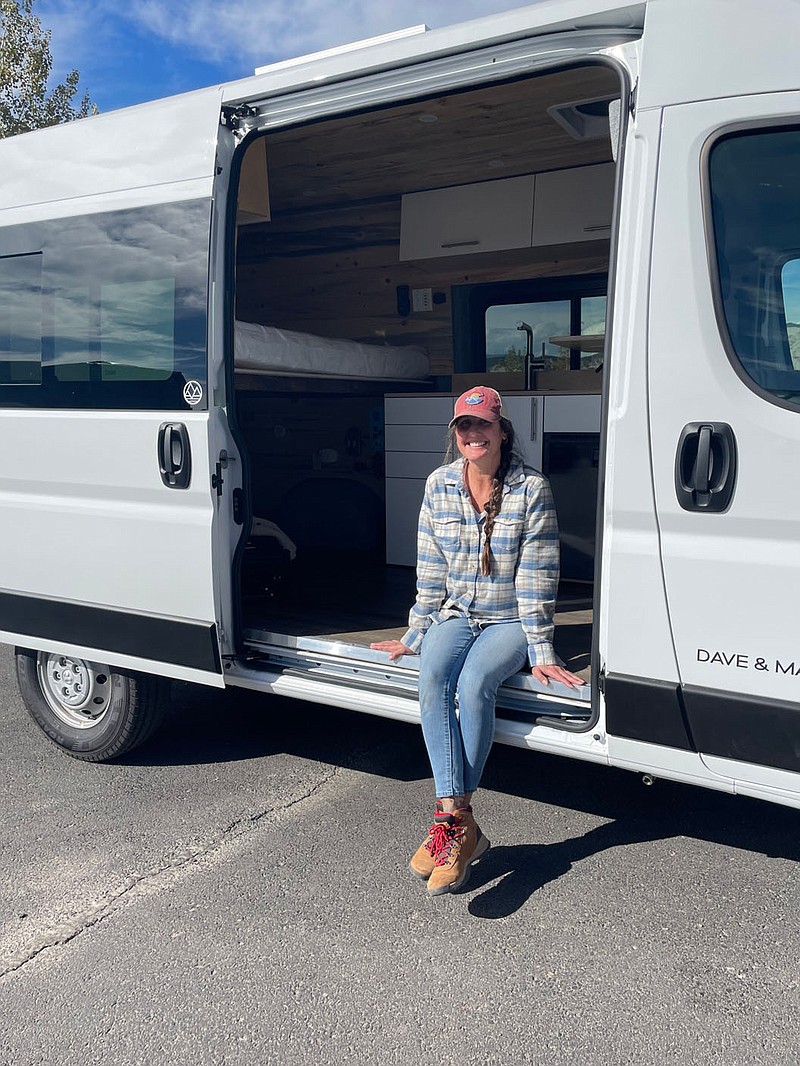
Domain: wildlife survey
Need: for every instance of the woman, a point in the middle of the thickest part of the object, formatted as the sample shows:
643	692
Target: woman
487	573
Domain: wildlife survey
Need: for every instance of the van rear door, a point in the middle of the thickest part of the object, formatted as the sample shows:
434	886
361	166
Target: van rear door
108	508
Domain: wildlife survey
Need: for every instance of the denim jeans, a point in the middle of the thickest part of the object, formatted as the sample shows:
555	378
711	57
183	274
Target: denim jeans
460	661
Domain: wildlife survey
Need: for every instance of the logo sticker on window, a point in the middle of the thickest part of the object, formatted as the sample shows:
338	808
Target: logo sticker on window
193	392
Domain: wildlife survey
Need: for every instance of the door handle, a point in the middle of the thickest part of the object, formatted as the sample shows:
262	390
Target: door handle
705	467
174	455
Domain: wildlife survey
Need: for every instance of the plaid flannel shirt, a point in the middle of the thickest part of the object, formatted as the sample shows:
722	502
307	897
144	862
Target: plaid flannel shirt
525	559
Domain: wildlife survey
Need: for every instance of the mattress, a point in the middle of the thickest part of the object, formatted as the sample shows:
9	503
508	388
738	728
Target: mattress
268	350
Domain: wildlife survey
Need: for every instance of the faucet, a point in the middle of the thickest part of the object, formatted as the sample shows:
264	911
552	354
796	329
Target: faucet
530	365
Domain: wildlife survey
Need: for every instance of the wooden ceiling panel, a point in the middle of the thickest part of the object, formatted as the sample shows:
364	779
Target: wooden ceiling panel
493	132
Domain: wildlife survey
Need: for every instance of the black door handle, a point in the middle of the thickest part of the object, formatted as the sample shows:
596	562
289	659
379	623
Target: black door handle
174	455
705	467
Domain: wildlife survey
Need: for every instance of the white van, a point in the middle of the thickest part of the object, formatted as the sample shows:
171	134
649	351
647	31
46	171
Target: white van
232	324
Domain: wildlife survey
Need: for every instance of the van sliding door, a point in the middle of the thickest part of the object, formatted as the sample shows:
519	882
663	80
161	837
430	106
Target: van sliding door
106	540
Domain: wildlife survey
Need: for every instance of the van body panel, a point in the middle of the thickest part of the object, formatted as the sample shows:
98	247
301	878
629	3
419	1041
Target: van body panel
156	152
97	553
730	576
635	638
716	49
101	495
738	565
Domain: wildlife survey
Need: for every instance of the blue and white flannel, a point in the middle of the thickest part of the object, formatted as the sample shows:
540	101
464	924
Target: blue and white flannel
525	559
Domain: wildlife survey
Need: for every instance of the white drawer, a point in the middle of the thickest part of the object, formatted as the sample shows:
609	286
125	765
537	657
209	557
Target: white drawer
572	414
418	410
416	438
412	464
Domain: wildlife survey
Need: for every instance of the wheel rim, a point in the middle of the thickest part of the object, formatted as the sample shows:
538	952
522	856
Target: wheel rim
77	692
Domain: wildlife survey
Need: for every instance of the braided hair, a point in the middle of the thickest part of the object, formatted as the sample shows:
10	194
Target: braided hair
509	453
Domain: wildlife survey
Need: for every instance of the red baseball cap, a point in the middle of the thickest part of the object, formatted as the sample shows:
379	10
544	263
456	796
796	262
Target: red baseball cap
480	402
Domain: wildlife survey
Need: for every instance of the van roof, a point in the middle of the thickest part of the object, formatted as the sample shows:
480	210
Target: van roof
420	43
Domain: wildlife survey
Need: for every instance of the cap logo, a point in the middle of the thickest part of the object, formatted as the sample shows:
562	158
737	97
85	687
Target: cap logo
473	398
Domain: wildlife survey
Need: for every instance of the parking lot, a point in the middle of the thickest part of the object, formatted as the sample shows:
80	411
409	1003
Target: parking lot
236	892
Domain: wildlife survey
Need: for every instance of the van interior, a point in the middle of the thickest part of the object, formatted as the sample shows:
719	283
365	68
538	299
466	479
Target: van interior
386	261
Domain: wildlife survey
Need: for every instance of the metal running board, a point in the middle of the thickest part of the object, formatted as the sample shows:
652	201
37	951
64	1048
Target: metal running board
355	666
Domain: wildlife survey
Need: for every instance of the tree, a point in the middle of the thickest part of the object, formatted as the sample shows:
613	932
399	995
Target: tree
25	66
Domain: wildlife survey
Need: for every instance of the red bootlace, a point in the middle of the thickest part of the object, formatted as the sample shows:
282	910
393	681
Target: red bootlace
444	836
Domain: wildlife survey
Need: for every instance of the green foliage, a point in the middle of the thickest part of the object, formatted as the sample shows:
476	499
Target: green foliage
25	65
513	360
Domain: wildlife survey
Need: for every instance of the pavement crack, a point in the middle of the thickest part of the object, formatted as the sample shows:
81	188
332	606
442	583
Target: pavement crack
152	880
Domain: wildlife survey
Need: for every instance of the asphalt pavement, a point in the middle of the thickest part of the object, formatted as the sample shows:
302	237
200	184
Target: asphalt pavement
236	892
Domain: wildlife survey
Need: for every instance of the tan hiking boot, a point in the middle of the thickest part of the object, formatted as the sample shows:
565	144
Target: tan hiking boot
423	861
463	843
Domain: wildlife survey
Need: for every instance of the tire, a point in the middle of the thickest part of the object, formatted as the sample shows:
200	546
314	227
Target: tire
91	712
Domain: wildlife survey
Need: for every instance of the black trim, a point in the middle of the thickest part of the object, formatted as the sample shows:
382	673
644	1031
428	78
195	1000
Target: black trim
652	711
746	728
165	640
733	131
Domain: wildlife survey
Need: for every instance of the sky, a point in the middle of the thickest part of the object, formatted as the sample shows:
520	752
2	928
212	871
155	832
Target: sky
136	50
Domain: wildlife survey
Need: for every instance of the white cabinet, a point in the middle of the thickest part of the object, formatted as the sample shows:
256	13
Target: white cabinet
483	217
573	205
416	428
557	207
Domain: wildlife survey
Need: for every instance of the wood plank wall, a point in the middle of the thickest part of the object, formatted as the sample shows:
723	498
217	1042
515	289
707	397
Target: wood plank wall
335	272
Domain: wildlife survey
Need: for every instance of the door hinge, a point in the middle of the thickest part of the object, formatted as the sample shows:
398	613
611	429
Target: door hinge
217	480
235	118
634	93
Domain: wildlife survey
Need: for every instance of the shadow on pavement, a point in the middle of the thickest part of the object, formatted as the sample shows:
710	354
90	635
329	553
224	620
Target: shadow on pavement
639	814
209	727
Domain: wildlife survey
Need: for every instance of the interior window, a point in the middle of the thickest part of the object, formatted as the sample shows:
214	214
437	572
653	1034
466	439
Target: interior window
557	334
754	178
516	330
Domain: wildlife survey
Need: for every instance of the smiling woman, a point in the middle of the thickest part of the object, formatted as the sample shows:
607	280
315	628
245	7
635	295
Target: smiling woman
487	574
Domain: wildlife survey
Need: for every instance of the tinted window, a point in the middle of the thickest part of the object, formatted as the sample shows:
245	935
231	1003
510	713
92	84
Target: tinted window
754	181
110	311
21	320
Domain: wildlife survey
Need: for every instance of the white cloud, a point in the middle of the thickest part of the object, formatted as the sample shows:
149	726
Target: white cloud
80	31
286	28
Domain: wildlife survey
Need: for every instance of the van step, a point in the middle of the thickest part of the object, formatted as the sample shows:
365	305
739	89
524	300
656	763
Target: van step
520	698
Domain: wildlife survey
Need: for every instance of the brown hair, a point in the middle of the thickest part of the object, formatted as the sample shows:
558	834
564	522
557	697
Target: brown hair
509	453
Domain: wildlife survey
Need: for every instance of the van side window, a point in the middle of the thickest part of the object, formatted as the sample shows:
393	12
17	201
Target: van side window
21	320
106	310
753	181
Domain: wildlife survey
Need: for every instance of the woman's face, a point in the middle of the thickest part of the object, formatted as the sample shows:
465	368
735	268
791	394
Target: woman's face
479	441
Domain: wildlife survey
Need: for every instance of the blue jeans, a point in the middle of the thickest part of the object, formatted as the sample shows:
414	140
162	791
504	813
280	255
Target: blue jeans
460	661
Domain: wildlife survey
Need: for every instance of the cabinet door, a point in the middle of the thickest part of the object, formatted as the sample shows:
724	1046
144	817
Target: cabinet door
525	412
484	217
573	205
403	501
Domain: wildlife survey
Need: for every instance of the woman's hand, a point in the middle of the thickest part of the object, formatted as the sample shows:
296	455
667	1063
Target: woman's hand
546	674
394	647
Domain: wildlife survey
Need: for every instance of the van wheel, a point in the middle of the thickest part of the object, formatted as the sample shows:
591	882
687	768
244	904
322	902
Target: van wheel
90	711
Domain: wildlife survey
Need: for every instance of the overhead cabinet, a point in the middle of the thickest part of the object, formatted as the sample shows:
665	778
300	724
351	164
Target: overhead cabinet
573	205
557	207
484	217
